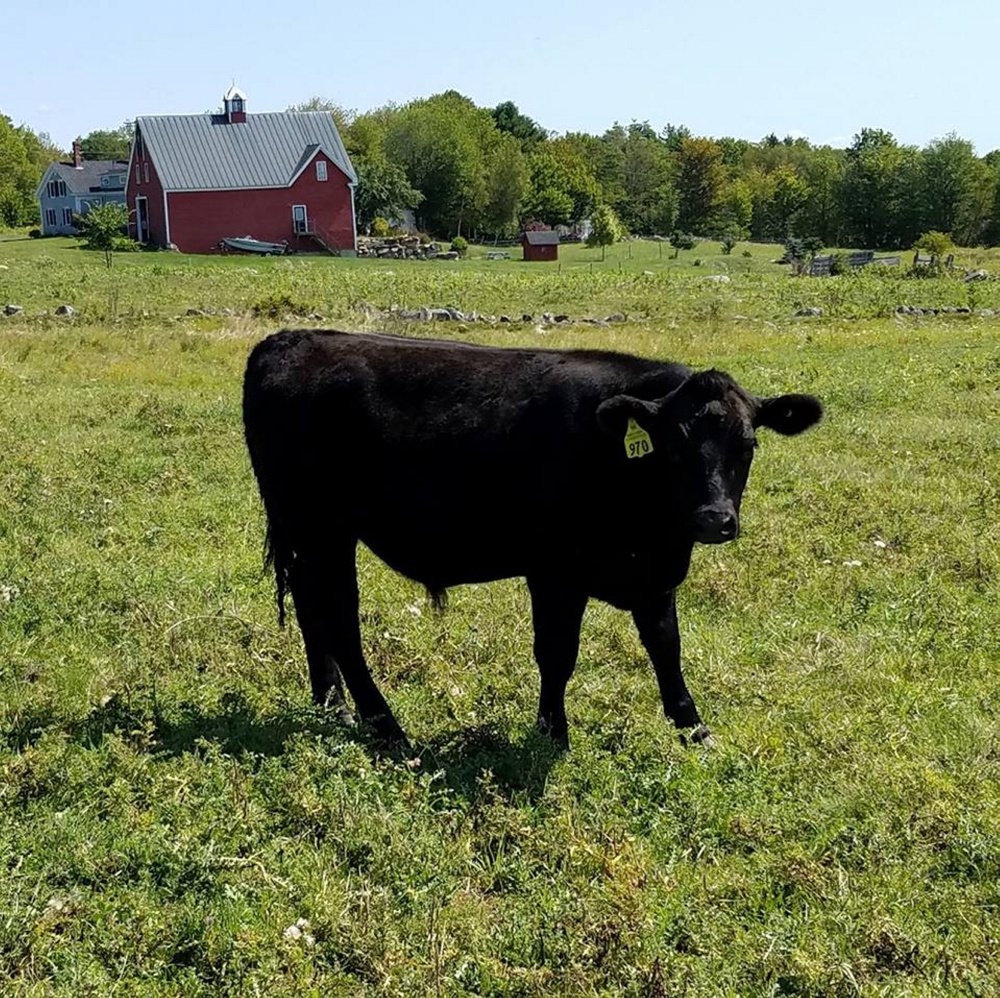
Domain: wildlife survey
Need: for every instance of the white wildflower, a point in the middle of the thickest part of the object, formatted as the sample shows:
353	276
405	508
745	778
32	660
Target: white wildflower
299	932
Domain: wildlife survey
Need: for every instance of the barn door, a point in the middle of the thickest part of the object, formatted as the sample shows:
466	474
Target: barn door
141	220
300	219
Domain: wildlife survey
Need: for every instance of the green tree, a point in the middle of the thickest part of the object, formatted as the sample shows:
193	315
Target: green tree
441	143
789	195
571	174
103	228
605	228
682	241
823	172
991	221
674	136
549	205
19	175
115	143
649	203
382	190
342	116
507	184
879	191
735	211
701	177
602	159
955	189
526	130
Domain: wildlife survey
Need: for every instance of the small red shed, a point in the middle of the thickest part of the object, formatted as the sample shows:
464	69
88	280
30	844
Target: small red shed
540	245
195	179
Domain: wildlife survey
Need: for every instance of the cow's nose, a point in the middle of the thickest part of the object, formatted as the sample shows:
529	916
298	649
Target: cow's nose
716	524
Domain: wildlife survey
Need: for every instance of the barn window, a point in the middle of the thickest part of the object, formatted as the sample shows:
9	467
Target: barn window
321	169
145	171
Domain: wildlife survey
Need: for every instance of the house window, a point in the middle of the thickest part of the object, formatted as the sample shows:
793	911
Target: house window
321	169
67	216
50	217
57	188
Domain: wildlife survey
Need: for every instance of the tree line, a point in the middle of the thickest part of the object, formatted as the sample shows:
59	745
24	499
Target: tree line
487	172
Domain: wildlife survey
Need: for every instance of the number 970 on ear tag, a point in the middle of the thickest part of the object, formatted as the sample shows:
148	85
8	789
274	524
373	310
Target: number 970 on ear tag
637	441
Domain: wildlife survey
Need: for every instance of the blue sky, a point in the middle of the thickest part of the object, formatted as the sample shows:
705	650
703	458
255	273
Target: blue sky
919	68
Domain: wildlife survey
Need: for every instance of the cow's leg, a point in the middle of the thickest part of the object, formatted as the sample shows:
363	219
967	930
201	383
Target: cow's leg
557	613
657	624
325	589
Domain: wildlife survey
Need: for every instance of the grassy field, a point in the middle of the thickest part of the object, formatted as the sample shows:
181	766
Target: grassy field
171	806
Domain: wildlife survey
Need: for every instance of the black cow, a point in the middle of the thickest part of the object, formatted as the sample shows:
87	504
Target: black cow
590	474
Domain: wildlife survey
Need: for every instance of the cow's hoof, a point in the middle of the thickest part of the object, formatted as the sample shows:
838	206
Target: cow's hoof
389	734
560	739
701	737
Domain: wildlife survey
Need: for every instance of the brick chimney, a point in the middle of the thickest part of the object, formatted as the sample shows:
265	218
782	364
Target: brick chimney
77	154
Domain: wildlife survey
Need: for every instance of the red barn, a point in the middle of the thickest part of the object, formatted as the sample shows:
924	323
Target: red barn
195	179
540	245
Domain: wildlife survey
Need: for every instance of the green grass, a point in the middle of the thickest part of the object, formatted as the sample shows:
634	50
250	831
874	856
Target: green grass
170	804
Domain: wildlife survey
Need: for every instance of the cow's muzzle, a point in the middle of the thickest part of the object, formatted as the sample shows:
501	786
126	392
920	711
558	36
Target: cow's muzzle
716	523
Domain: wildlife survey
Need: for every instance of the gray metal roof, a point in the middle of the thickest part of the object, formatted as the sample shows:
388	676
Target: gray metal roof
542	238
87	179
196	152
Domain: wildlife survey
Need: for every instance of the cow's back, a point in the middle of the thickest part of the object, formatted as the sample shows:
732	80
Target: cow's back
453	462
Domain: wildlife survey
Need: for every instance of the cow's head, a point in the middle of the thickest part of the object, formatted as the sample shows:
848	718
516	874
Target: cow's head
701	437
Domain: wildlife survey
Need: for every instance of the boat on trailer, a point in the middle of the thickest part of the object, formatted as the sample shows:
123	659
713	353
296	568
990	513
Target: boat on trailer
247	244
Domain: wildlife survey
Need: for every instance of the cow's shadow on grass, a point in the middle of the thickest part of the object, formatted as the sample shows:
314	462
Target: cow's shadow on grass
481	760
470	761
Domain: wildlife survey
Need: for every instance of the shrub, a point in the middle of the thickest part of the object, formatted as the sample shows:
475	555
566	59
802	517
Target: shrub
278	304
729	242
103	228
460	245
747	254
934	242
696	262
839	265
380	226
35	234
682	240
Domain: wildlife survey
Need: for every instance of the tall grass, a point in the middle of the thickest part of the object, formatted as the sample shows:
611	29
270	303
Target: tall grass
171	806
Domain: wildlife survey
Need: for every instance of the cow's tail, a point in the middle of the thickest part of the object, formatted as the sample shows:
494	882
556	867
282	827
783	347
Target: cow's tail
278	556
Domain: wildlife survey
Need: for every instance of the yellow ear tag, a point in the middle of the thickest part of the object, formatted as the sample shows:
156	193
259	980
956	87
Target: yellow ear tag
637	441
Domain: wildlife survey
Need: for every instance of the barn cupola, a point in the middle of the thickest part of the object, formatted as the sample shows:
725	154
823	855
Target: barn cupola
234	104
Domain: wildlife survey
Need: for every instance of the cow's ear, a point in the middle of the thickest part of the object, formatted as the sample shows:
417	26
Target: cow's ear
788	414
613	415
